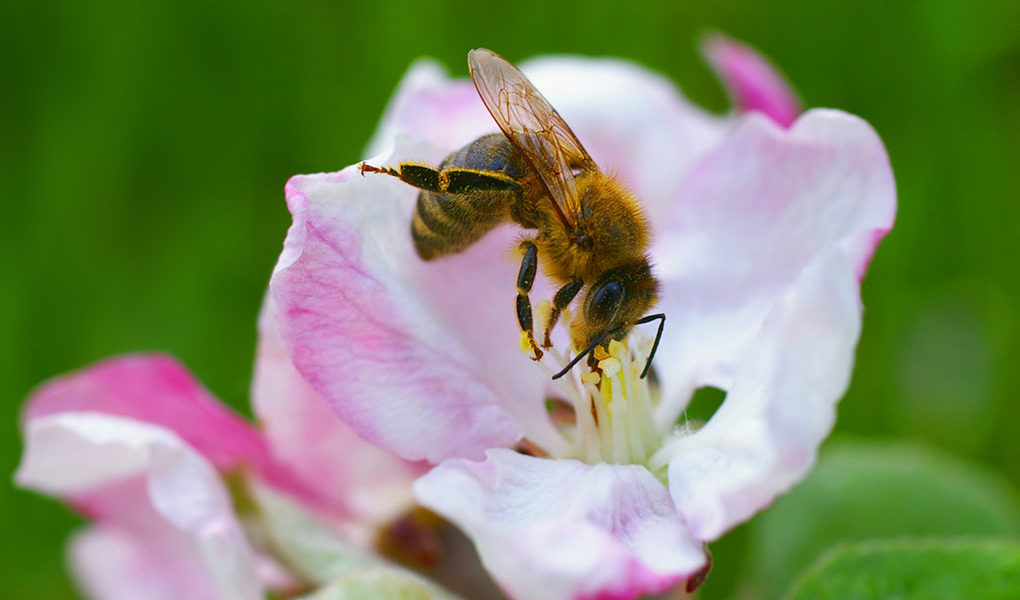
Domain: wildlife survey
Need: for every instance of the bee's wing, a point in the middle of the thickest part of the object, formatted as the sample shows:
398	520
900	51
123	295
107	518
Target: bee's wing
534	127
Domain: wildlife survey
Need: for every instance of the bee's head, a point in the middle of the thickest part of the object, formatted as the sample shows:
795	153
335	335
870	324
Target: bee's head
619	298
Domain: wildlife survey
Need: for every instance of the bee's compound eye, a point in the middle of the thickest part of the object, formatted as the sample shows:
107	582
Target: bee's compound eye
603	302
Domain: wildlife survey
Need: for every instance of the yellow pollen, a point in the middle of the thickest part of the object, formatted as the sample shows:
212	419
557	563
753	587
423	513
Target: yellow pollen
600	353
592	378
610	366
525	343
617	349
542	312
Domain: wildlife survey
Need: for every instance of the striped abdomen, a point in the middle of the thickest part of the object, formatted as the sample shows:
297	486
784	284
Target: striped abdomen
445	223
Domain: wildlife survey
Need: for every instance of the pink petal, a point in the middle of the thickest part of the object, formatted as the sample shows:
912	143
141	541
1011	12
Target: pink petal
157	389
110	563
560	529
752	216
782	404
754	83
363	483
418	358
145	487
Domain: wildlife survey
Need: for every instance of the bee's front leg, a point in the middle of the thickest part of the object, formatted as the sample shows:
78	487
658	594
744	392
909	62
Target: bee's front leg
560	301
525	279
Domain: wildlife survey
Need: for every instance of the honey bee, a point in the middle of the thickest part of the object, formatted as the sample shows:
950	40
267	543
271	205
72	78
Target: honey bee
586	229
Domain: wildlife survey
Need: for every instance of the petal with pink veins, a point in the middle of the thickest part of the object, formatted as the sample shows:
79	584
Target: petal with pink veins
145	488
755	213
752	81
366	485
561	529
418	358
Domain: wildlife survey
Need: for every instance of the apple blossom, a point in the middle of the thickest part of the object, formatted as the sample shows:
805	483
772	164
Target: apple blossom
761	236
187	500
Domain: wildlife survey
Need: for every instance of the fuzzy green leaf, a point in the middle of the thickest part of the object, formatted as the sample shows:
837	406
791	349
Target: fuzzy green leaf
870	490
914	570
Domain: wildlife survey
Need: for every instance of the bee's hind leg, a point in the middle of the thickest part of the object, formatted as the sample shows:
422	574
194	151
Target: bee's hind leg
525	279
449	180
420	176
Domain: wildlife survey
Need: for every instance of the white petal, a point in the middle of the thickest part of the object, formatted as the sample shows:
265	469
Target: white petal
756	211
558	529
765	436
92	458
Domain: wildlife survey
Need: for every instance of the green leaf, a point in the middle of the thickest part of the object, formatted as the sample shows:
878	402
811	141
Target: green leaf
914	570
873	490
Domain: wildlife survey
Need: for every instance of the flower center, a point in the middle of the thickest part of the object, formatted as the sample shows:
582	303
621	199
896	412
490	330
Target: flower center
611	404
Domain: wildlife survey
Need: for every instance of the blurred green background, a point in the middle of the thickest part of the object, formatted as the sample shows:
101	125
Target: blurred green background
145	147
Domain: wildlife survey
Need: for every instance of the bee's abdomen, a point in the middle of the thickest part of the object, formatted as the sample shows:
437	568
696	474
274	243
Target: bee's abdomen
492	153
445	223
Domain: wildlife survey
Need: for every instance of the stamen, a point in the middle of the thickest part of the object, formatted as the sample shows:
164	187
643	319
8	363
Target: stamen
612	404
610	366
543	310
617	408
599	403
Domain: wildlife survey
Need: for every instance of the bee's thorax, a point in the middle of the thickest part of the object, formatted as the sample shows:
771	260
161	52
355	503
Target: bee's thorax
611	231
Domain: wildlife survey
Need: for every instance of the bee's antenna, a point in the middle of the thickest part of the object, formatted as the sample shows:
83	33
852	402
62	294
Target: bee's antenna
591	348
587	351
658	336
